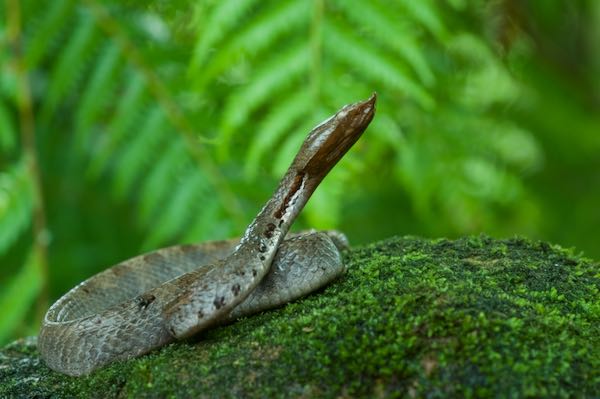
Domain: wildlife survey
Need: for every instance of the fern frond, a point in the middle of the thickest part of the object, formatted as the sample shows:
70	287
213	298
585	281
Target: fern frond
16	203
128	110
396	35
97	92
160	182
425	12
208	223
275	77
280	119
71	65
51	24
224	17
19	294
261	32
179	211
371	65
133	158
324	209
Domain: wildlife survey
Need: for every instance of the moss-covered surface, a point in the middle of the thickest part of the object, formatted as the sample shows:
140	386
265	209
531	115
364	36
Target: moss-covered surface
412	317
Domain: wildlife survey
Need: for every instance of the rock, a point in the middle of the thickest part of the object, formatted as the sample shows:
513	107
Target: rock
413	317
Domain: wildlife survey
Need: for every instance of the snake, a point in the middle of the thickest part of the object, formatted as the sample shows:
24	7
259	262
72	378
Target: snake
169	294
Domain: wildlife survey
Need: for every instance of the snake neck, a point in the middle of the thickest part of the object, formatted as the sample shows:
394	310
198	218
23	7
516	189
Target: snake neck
203	302
325	145
269	228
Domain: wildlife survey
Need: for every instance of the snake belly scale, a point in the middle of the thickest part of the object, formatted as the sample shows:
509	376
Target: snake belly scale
148	301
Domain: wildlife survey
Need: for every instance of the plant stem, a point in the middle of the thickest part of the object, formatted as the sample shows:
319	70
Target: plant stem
28	142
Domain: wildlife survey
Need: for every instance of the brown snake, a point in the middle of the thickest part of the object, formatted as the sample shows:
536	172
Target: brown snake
148	301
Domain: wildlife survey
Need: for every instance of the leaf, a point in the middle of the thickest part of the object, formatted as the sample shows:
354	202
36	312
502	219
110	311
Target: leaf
19	294
393	34
223	18
277	75
258	35
16	204
176	214
69	66
371	65
135	155
280	119
53	21
160	182
128	109
97	92
426	13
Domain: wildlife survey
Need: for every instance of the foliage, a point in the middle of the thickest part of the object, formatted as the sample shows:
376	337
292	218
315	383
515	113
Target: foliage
171	122
475	317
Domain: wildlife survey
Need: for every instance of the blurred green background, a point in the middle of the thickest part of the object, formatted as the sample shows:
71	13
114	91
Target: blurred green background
131	125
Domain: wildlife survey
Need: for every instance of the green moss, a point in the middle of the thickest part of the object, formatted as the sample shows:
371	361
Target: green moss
472	317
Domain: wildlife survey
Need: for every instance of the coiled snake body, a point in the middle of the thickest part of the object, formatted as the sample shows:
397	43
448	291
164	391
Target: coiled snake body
172	293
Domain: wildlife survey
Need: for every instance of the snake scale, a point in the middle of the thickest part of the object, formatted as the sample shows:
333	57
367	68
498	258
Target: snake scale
172	293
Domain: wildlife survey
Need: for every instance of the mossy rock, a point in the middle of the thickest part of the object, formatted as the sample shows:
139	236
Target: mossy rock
411	317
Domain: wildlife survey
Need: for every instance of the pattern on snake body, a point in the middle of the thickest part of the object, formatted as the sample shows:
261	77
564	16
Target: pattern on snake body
172	293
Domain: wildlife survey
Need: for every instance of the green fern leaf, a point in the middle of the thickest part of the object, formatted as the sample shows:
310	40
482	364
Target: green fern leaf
395	35
52	23
281	119
16	204
69	67
260	33
177	213
223	18
208	224
372	65
97	92
425	12
134	155
128	110
159	183
19	294
275	77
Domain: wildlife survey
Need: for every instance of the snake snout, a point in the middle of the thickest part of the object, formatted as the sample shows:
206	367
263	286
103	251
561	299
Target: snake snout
329	141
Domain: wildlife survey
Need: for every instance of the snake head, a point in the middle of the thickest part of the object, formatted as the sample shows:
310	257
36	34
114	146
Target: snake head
329	141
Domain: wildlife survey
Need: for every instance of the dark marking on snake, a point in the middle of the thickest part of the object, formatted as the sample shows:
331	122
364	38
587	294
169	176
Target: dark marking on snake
185	248
235	289
269	231
153	257
296	185
145	300
219	302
